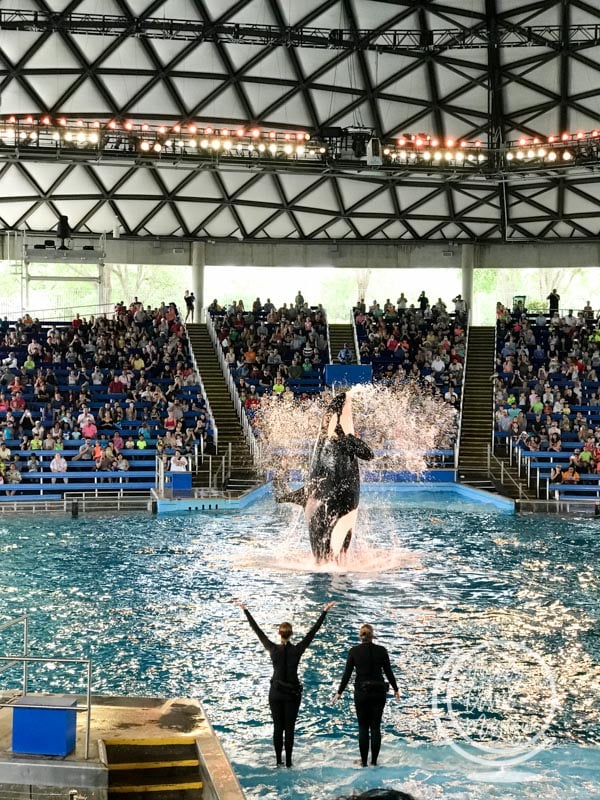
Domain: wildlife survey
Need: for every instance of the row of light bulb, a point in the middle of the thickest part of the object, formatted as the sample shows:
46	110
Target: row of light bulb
228	146
541	153
437	156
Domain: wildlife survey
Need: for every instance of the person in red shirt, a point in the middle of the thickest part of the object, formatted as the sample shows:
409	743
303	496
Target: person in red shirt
17	403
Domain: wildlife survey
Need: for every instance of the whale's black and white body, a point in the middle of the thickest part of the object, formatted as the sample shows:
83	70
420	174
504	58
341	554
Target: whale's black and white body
331	495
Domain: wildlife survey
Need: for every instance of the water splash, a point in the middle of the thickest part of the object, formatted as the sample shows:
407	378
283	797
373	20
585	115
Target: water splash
400	423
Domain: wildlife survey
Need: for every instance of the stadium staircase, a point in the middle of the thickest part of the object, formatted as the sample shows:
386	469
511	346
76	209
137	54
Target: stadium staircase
162	770
477	421
243	474
339	335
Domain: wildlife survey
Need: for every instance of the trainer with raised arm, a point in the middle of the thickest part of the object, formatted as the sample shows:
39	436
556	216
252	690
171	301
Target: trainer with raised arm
285	693
371	662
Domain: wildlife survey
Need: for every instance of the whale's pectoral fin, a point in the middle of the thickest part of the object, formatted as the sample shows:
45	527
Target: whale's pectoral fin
298	497
342	533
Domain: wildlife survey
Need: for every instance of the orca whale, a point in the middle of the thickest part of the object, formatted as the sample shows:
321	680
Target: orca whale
332	491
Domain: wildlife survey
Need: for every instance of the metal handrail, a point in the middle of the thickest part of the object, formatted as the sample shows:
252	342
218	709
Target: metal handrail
38	660
24	618
204	395
462	393
243	419
355	335
503	473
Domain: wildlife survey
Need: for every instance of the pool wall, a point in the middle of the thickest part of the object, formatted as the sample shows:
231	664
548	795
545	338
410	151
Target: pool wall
434	482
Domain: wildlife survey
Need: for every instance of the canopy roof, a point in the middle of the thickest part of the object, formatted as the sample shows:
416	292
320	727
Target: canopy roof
495	71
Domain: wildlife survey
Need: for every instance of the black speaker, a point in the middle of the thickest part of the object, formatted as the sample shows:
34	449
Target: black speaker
63	231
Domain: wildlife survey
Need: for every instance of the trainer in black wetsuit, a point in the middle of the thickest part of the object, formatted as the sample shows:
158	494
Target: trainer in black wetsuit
371	662
285	693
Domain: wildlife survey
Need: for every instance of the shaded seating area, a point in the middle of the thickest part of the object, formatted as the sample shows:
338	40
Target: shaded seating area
546	399
271	350
418	342
88	406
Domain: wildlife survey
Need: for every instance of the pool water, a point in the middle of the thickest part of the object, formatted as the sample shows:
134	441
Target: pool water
150	601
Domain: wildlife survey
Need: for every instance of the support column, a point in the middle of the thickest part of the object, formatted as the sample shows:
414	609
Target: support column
198	263
468	259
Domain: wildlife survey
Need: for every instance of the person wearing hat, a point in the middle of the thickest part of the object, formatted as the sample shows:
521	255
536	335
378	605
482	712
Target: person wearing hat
371	662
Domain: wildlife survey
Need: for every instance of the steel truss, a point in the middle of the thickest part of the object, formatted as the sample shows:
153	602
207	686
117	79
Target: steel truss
504	34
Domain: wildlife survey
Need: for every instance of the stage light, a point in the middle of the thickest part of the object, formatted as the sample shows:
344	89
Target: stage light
437	156
251	148
522	142
531	154
541	153
145	146
227	145
427	155
481	157
224	132
193	144
322	150
93	138
261	148
580	135
287	149
180	143
162	129
176	128
239	147
477	143
551	139
68	136
459	157
81	138
29	120
509	156
273	148
402	155
112	125
204	144
386	151
56	137
567	156
552	156
33	136
216	144
208	131
168	143
62	121
307	137
157	147
434	143
128	126
300	150
45	120
520	155
193	129
565	137
448	156
401	141
255	133
240	132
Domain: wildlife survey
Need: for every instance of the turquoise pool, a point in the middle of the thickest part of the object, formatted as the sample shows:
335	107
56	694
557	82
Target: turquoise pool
150	601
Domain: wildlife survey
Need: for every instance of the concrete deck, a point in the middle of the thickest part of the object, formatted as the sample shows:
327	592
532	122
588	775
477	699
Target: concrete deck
114	719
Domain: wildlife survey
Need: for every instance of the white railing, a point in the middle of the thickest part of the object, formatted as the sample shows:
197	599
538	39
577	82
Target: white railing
462	393
355	336
204	395
233	392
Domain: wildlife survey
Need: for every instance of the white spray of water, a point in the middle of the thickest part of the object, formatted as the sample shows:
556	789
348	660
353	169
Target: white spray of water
400	423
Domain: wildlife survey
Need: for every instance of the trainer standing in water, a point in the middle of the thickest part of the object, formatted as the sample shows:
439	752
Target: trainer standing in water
371	662
285	693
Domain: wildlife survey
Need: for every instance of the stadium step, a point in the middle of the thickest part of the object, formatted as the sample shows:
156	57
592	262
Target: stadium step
339	335
477	421
225	416
478	393
167	769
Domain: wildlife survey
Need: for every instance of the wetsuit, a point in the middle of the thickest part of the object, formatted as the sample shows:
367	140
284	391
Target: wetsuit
285	693
371	662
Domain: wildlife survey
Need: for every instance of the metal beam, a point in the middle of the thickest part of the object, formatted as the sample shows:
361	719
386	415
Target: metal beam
386	41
